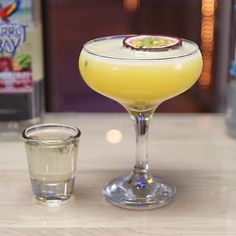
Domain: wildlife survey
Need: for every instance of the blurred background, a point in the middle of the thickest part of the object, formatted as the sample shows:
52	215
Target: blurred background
68	24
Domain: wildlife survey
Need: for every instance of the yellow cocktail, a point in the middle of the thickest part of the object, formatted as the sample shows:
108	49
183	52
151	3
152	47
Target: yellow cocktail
140	72
139	80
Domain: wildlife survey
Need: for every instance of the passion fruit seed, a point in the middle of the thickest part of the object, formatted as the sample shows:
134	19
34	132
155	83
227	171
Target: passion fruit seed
152	43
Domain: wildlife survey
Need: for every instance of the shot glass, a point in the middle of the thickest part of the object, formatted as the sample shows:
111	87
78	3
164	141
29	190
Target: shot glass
52	151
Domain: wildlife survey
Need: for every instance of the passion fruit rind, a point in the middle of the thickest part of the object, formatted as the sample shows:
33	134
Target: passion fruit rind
152	42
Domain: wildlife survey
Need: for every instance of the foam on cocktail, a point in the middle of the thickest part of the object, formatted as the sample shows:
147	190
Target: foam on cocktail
114	48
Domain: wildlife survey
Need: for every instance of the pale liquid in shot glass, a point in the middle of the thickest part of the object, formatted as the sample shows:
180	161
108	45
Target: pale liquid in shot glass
52	165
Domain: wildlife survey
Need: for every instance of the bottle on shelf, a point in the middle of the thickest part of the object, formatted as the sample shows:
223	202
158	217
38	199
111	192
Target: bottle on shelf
231	102
21	66
231	93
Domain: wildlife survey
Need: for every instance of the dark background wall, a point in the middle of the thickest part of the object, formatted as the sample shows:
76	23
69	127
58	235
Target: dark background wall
68	24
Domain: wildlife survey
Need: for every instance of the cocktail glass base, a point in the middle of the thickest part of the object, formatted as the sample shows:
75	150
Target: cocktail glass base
139	193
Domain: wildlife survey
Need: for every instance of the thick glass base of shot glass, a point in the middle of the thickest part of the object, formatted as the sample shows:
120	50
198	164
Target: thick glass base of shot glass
139	193
52	193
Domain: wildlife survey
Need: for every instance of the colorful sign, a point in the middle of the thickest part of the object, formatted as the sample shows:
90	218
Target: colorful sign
15	60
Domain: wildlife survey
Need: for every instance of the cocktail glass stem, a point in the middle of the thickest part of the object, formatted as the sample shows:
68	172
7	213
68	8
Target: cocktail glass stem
141	123
140	190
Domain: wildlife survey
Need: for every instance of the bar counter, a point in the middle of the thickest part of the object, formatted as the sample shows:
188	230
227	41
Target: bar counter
193	152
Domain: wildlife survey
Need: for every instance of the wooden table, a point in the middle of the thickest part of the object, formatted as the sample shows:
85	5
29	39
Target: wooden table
193	152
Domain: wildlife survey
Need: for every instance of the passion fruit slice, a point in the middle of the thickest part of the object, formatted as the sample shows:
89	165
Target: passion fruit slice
152	42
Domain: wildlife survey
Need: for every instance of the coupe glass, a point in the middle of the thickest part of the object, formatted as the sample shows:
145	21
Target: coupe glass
140	81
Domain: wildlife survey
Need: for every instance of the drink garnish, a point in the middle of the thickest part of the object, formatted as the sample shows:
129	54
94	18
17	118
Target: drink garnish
152	42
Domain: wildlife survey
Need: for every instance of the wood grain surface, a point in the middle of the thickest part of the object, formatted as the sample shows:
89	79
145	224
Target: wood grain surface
193	152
